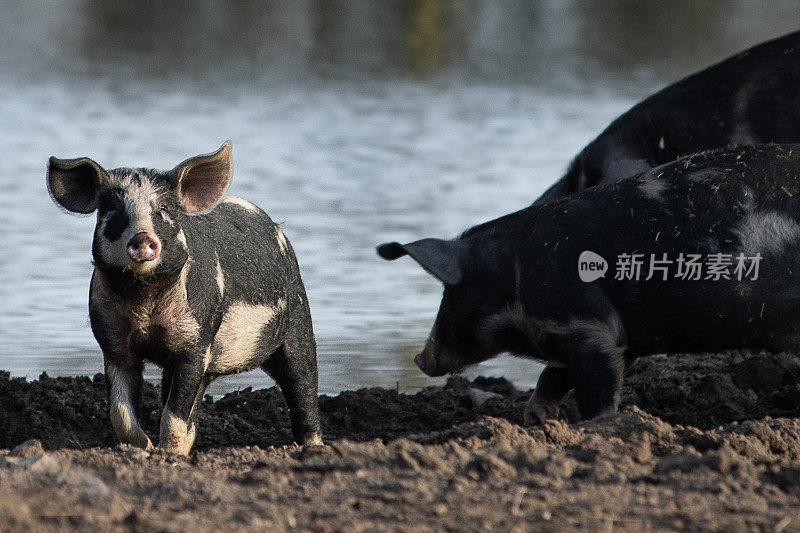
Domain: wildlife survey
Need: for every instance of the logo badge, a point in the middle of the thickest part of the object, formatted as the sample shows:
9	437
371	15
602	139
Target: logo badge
591	266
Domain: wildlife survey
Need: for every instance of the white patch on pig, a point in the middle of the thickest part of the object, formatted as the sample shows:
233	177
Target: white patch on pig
653	188
181	238
281	238
220	279
120	406
236	341
767	233
140	197
174	433
166	218
241	202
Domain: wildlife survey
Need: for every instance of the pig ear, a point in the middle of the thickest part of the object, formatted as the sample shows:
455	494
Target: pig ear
202	179
73	182
442	259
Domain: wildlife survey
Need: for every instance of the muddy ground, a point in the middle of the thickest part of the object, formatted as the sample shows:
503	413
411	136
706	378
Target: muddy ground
702	442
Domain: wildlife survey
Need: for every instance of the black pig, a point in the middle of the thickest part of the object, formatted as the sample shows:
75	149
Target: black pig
752	97
525	283
199	283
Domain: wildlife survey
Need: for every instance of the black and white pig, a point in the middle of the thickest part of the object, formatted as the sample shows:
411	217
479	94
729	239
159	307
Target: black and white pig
201	284
752	97
534	282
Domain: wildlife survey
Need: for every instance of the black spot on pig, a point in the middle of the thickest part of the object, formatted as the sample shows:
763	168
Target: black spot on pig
111	206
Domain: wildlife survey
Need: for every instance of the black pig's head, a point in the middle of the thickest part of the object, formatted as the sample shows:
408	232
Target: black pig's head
139	210
473	296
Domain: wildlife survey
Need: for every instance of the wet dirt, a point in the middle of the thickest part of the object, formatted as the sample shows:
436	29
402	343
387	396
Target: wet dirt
702	442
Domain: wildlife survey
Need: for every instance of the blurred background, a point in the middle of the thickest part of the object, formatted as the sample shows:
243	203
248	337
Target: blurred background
354	122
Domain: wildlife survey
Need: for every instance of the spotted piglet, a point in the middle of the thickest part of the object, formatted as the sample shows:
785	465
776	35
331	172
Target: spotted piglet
201	284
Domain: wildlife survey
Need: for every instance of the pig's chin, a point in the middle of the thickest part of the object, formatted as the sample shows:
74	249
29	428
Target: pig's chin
143	268
137	268
431	370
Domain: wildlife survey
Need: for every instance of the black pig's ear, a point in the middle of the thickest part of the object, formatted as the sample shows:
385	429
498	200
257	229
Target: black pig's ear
442	259
73	182
202	179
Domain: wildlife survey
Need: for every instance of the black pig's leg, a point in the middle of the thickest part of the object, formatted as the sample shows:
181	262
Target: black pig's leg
294	367
594	352
555	381
187	386
166	386
124	389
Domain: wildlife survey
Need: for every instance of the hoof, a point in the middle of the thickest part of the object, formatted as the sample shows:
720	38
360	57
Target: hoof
312	439
539	412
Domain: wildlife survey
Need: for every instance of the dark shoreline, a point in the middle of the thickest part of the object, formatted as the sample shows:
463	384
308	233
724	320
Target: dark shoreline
704	391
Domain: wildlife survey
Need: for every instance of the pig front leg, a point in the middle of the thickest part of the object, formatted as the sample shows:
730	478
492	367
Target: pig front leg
594	353
294	367
554	382
183	393
124	390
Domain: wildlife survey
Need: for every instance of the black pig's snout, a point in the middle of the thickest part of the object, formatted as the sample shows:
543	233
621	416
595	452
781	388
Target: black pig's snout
426	362
144	246
419	360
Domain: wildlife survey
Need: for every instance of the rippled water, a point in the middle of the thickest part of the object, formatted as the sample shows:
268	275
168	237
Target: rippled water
345	140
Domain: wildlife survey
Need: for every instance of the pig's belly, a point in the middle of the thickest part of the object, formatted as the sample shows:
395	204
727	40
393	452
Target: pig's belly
246	337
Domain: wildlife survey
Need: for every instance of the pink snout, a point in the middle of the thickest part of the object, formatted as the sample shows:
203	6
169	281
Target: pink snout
144	246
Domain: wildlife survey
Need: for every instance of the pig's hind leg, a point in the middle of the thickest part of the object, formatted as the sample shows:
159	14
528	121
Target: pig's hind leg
294	367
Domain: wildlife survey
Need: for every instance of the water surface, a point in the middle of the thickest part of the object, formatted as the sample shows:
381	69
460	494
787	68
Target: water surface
353	123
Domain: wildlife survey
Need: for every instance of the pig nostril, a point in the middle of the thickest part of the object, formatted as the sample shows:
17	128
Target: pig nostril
143	246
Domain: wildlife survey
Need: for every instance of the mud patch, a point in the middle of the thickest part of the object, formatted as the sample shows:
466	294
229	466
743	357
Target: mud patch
705	442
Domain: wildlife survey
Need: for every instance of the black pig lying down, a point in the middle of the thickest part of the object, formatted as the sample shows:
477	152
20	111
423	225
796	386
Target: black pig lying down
715	235
199	283
752	97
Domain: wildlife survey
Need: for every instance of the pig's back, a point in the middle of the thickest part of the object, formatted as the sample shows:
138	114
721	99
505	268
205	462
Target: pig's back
723	204
238	247
717	204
